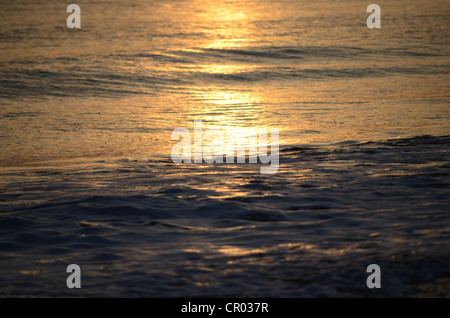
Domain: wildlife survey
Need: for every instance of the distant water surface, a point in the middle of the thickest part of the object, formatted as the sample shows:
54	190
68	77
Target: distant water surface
118	86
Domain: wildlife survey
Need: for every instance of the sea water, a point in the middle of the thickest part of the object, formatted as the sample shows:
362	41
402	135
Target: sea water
87	178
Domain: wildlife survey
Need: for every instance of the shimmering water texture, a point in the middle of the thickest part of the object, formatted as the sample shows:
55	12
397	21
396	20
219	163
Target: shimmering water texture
86	175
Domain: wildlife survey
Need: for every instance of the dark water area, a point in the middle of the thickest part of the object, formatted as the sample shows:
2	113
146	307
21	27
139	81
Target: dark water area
141	229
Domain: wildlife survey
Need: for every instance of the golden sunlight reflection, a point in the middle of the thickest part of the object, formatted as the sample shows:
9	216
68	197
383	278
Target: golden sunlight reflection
235	251
239	251
231	21
231	116
225	68
229	108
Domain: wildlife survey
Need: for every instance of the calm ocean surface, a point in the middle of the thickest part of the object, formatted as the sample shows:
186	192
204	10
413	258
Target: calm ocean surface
86	177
